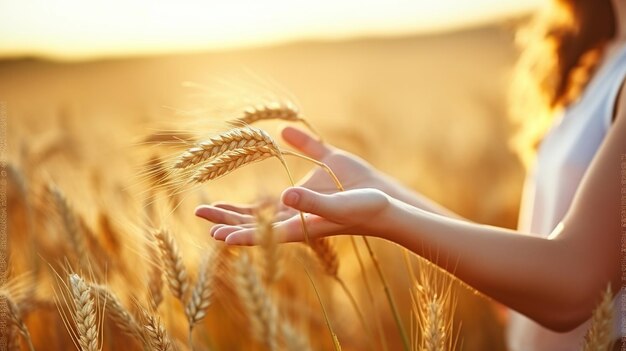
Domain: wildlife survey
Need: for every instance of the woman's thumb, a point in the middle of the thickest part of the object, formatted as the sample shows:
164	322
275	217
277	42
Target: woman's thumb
309	201
305	143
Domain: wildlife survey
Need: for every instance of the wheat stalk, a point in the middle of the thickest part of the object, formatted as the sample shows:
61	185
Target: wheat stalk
232	160
116	311
599	337
173	265
259	306
84	314
230	140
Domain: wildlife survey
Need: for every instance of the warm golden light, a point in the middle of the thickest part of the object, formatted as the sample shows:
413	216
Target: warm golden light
75	29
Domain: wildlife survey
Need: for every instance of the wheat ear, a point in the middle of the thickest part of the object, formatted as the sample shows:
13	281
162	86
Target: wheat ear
116	311
84	314
293	339
173	265
230	140
599	337
156	334
71	225
259	306
202	292
269	243
232	160
273	110
155	276
15	317
326	254
433	308
155	287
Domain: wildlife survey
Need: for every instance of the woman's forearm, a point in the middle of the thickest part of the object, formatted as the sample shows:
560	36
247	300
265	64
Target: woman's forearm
527	273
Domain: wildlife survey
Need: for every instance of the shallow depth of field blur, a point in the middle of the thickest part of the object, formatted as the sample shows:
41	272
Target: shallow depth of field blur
428	108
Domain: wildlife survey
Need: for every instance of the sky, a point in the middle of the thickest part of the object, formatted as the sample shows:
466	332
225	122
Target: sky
78	29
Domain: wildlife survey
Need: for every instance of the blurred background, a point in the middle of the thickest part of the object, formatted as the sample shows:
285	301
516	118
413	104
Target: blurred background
418	88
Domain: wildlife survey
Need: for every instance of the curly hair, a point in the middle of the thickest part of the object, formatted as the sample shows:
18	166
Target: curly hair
562	47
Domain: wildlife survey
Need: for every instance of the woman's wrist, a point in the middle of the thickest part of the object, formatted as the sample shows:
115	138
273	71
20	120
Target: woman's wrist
390	224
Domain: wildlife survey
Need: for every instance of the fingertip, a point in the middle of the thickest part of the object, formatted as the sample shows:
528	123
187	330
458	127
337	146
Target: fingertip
289	132
239	238
223	232
291	197
200	210
214	229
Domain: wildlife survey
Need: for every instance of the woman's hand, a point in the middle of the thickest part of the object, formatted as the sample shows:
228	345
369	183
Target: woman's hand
358	211
352	171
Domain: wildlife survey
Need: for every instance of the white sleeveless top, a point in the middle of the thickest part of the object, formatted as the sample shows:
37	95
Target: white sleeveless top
562	160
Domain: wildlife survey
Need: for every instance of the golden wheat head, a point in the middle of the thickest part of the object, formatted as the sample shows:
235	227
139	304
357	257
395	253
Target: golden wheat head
202	293
84	314
230	140
173	265
233	160
600	334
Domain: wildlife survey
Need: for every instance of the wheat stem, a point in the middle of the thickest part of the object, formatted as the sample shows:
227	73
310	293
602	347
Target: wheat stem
336	344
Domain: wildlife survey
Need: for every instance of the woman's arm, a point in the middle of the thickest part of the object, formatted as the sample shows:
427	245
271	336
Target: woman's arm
555	281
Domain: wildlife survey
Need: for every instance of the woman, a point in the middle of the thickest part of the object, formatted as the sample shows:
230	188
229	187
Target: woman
553	269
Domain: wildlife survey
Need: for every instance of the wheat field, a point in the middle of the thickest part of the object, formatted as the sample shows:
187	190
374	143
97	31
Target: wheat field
104	159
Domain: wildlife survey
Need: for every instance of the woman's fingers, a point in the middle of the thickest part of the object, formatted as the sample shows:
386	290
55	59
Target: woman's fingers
305	143
243	209
290	230
222	216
